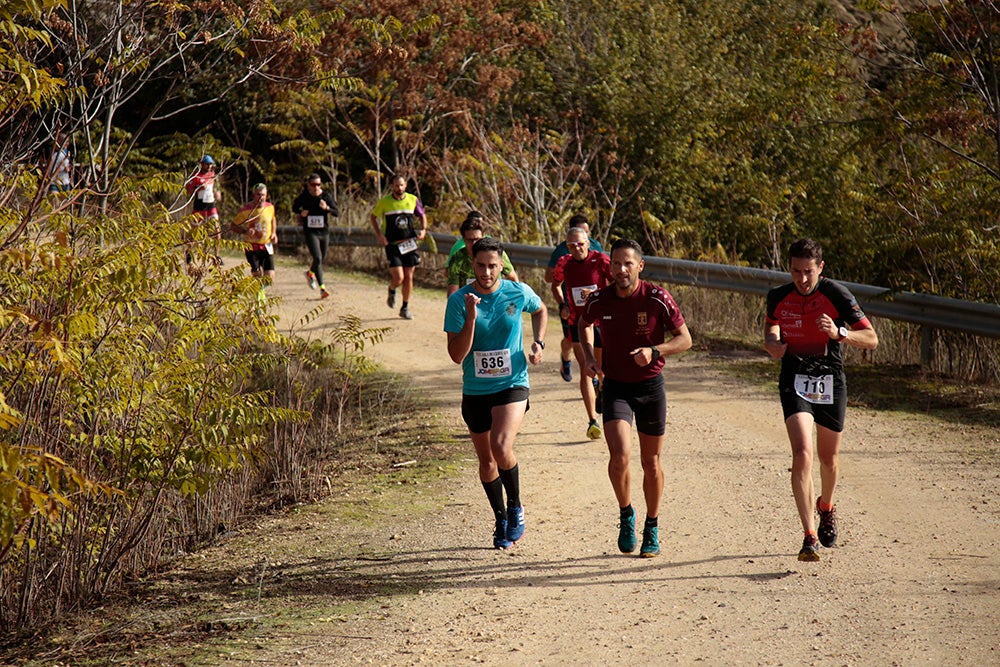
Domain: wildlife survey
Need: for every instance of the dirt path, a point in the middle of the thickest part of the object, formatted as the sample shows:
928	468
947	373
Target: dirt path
412	580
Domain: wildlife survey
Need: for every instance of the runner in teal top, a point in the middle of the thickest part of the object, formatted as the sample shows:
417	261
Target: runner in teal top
484	325
496	360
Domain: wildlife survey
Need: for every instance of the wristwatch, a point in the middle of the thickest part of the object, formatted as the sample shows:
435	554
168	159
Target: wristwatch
655	353
842	332
540	343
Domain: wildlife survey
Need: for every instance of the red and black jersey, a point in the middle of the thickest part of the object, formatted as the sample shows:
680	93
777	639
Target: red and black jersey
202	186
628	323
580	278
797	314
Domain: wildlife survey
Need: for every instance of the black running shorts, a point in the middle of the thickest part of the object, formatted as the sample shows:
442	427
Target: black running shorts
397	258
647	400
477	410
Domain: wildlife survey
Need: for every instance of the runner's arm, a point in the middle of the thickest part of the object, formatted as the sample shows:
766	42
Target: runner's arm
460	344
679	342
539	324
378	230
865	339
772	340
586	331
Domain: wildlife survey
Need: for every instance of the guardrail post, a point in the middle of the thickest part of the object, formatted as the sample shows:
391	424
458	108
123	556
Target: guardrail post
926	346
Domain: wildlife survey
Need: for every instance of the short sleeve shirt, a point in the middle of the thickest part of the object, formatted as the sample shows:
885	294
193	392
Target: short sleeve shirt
259	222
496	361
581	277
397	216
628	323
202	186
796	315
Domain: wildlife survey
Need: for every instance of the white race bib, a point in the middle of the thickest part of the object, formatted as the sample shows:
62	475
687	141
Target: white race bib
206	193
270	248
580	294
407	245
815	389
492	363
315	221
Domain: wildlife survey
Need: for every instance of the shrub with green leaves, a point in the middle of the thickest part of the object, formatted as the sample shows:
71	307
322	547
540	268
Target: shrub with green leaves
124	400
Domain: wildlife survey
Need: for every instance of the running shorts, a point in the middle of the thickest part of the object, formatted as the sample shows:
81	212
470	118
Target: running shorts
828	415
477	410
397	258
260	260
646	400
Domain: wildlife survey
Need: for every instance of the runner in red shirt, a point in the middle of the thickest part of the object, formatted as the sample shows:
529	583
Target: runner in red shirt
635	318
201	188
576	276
807	321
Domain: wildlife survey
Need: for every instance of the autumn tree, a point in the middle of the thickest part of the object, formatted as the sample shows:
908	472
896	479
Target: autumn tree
934	128
129	66
725	119
422	69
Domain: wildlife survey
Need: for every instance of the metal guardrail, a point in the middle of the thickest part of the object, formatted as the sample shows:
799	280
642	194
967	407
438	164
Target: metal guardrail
933	312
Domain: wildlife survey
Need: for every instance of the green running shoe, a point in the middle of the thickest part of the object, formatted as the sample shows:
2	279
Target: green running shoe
626	533
650	542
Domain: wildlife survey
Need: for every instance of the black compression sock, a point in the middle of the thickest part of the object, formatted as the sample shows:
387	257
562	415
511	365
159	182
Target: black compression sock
494	493
512	485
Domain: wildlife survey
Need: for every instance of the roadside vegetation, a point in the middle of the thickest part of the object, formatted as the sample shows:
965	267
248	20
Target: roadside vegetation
146	401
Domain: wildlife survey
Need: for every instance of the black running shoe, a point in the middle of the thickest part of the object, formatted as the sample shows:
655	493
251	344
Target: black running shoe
827	526
810	549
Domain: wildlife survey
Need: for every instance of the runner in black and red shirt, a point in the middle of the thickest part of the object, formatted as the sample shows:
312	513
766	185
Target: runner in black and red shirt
635	319
576	276
807	321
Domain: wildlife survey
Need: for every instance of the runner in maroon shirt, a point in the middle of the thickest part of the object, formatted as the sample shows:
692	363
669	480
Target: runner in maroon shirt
576	276
807	321
635	318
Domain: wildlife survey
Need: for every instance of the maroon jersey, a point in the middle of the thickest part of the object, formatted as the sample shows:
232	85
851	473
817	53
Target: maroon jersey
796	314
628	323
579	278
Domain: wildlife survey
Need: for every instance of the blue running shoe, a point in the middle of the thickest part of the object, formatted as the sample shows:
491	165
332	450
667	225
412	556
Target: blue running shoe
566	372
650	542
626	533
515	523
500	540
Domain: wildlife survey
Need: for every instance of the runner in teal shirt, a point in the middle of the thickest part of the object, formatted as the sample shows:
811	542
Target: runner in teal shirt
496	360
484	324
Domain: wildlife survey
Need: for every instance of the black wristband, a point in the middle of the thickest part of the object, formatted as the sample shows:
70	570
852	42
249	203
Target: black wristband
540	343
656	354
